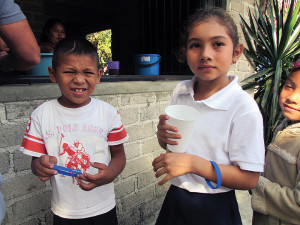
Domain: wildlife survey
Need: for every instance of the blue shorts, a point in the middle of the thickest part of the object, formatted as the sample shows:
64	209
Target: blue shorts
109	218
182	207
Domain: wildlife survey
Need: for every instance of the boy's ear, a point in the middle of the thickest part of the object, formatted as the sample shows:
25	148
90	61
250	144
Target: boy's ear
237	52
99	76
52	74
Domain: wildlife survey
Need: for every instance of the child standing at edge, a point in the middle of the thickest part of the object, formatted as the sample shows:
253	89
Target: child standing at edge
276	199
226	146
78	132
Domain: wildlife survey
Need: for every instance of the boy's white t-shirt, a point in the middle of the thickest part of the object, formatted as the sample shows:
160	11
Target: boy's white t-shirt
229	131
76	136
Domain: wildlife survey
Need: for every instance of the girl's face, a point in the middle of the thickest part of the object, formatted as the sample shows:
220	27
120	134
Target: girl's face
56	33
290	97
210	52
77	76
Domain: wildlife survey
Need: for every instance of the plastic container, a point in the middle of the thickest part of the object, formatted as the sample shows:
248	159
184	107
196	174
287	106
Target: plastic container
41	69
147	64
113	67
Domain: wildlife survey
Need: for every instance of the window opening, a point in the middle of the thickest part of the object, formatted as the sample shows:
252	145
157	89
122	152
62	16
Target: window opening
102	41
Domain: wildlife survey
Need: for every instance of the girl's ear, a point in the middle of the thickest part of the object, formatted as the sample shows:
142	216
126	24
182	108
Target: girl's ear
237	52
52	74
183	49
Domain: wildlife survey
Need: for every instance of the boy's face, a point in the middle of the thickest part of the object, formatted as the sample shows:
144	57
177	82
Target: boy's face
290	97
77	76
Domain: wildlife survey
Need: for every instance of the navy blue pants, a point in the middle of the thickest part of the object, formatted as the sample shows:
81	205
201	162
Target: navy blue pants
182	207
109	218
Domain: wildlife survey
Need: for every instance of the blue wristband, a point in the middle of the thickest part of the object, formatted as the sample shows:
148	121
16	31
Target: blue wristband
219	176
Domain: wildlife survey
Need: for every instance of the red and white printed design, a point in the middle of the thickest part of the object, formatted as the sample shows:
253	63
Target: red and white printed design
77	159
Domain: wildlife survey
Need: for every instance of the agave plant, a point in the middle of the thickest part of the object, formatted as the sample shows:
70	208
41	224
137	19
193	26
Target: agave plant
273	40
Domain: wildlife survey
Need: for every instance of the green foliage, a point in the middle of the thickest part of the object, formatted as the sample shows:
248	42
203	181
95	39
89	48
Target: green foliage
102	41
273	41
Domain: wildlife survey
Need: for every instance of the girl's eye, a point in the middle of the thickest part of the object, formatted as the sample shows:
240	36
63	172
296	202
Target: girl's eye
218	44
194	45
288	86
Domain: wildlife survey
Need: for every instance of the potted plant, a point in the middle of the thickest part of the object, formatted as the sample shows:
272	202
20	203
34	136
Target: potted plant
273	44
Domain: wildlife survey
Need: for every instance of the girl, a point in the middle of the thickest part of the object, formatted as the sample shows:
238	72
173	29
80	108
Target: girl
276	198
53	32
226	151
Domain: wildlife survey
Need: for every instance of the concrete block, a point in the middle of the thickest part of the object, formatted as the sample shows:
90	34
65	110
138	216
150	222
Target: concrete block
146	178
30	206
4	162
12	134
161	190
21	161
243	66
21	185
2	114
49	217
19	110
141	197
124	188
136	166
250	2
140	98
164	96
150	145
35	221
130	218
149	112
132	149
114	100
161	109
151	208
138	132
237	6
129	115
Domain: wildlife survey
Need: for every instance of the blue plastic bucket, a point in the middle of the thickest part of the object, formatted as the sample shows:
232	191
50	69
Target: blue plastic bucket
41	69
147	64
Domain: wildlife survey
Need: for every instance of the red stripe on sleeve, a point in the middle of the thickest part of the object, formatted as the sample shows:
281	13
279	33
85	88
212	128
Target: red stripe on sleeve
117	136
33	146
33	137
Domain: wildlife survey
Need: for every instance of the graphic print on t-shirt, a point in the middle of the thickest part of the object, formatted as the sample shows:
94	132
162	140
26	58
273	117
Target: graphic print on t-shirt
77	156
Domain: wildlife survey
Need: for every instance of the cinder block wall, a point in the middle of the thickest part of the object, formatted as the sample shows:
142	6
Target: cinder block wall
138	196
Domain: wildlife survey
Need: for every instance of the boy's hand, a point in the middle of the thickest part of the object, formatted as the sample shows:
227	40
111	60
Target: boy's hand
172	164
162	132
43	167
104	176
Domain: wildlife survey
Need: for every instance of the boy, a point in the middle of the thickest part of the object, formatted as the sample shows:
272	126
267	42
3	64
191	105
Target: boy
276	199
78	132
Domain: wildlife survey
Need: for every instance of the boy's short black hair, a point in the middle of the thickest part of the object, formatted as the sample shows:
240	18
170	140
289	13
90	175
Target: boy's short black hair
74	46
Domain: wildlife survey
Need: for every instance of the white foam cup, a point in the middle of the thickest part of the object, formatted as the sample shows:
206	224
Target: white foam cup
183	117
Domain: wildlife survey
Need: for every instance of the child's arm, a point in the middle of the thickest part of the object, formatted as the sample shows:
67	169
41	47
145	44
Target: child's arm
177	164
162	134
106	174
43	167
281	202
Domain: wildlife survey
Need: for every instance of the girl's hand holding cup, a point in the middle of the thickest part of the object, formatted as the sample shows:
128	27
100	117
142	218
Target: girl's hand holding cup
165	132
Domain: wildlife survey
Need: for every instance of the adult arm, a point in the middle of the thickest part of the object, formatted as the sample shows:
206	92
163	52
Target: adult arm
25	51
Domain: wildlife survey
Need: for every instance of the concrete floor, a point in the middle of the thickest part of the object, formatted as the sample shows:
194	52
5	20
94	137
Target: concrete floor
244	201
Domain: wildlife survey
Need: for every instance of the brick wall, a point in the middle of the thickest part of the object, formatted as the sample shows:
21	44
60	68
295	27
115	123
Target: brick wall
138	196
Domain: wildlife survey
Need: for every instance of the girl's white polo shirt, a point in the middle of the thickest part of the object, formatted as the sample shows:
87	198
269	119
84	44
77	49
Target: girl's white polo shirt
228	131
